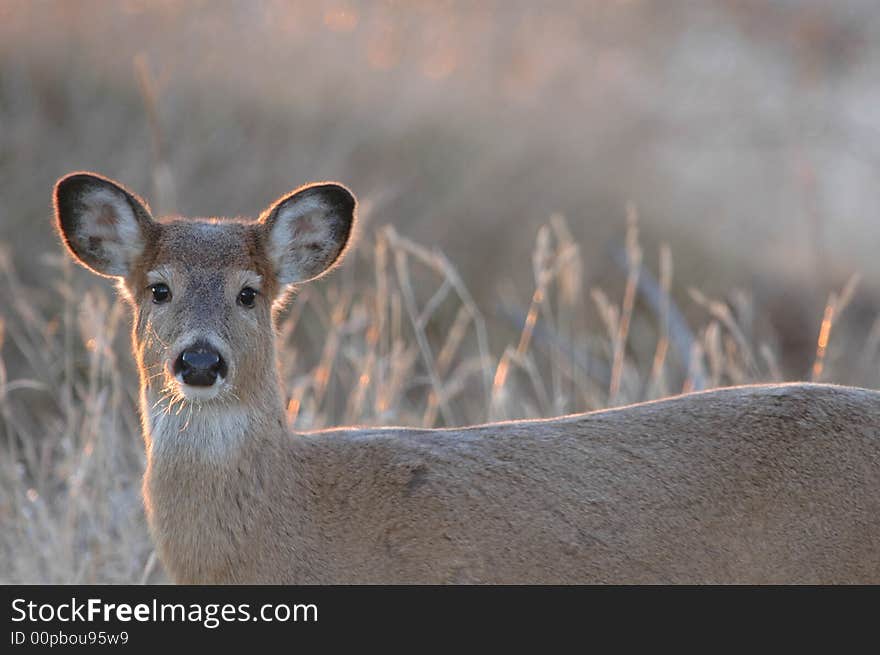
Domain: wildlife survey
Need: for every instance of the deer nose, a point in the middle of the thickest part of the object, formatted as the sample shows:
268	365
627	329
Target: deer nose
199	365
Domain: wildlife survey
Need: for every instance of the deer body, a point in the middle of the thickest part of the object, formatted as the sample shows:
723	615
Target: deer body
747	485
775	483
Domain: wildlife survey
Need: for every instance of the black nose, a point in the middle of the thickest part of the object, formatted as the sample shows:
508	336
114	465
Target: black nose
199	365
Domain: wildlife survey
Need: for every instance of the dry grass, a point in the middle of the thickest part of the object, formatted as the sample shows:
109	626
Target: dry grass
406	345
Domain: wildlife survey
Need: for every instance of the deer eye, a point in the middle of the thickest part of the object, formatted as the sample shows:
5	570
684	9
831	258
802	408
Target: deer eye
161	293
247	297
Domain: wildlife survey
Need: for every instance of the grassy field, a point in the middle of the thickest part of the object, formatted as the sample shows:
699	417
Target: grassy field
554	217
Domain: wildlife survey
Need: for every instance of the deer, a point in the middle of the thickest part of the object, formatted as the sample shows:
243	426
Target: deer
775	483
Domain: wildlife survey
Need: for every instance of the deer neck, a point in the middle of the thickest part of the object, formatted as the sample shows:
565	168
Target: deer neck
211	477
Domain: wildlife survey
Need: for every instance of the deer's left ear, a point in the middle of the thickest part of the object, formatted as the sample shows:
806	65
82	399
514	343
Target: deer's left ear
308	230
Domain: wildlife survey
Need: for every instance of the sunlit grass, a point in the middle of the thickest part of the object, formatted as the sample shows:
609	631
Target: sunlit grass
405	345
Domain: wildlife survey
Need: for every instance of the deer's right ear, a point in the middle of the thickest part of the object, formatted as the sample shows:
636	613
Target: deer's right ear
104	226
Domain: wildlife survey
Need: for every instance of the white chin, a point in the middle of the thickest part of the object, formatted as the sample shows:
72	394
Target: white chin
199	393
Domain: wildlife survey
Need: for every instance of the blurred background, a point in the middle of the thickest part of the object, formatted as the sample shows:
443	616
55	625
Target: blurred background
564	206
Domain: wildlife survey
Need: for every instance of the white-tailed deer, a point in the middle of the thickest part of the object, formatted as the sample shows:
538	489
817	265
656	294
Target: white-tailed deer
749	484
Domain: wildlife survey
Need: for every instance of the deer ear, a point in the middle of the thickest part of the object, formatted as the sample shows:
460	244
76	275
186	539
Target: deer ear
308	230
104	226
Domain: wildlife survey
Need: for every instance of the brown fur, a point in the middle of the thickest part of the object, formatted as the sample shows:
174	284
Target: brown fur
750	484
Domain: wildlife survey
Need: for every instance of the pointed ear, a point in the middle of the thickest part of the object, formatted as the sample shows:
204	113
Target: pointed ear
308	230
104	226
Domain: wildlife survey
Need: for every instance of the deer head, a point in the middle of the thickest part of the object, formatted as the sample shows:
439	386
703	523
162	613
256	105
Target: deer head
203	290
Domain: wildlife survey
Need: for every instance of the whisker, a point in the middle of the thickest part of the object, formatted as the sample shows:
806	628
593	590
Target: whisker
188	419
